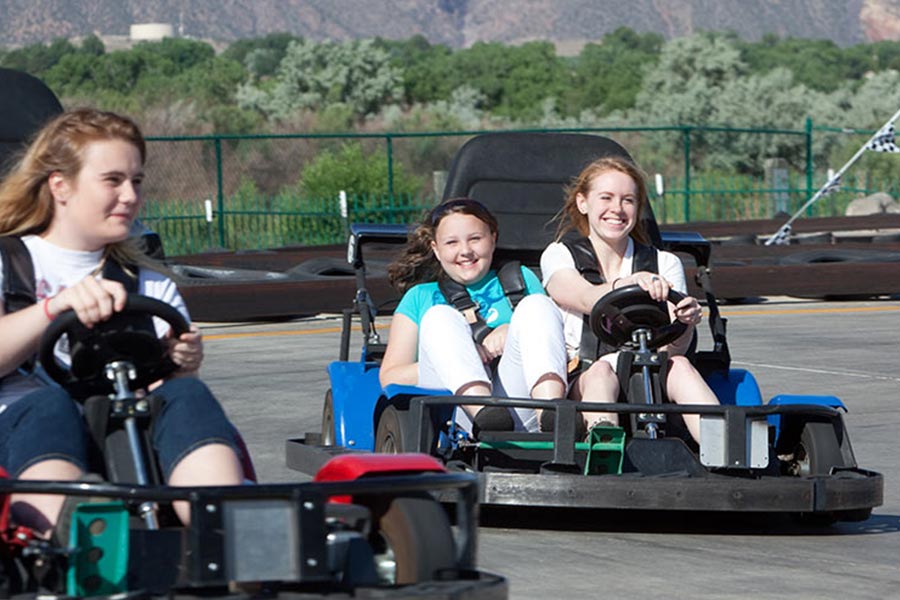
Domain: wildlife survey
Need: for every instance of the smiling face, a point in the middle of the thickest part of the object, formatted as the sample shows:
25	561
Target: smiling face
464	245
98	206
611	207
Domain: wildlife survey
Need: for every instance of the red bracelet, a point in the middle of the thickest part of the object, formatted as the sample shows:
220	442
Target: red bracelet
46	304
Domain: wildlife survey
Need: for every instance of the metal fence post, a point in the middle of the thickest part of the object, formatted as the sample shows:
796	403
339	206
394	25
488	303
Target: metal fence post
390	165
686	130
809	157
220	193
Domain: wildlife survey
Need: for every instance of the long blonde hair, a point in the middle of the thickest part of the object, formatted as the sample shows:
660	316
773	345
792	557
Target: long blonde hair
570	218
26	203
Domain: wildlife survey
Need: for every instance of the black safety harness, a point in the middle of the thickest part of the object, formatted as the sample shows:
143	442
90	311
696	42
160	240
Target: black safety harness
456	294
645	259
19	281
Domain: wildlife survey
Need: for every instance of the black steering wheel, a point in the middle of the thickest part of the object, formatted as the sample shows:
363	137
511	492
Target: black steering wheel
129	335
618	314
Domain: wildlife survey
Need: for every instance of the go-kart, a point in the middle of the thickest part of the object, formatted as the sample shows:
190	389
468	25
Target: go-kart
791	454
367	526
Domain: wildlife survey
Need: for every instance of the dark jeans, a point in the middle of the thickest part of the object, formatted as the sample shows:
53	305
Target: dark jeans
47	424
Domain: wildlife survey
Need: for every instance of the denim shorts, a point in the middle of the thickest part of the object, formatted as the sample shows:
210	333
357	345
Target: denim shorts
47	424
42	425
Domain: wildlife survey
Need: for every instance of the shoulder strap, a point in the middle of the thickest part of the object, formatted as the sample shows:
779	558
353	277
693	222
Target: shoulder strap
458	296
646	258
18	274
116	272
585	258
513	282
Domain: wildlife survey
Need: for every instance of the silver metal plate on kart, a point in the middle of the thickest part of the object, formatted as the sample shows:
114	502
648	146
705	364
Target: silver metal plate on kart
261	540
714	444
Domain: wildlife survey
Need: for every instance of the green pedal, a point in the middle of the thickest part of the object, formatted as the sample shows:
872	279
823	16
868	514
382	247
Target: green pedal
606	448
98	563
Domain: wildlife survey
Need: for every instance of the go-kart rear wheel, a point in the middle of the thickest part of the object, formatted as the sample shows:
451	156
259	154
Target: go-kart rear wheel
392	433
415	540
328	434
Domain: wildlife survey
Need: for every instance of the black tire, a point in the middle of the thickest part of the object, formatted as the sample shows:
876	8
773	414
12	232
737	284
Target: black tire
328	432
817	452
414	534
819	449
392	434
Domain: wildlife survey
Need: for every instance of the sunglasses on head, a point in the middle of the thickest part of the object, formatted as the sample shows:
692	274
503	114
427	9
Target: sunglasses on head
439	211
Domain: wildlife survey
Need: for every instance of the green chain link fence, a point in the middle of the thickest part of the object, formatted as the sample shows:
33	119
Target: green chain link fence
241	192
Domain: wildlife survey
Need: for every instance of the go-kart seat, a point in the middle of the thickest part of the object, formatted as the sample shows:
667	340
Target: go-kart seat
520	178
25	105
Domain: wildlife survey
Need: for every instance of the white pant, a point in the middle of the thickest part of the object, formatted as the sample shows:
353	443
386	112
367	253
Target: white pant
535	346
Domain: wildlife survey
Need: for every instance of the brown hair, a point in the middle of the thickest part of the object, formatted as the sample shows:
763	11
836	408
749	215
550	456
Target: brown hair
571	218
26	204
418	264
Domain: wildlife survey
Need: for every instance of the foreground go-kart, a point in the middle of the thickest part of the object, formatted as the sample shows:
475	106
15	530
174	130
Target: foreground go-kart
367	526
791	454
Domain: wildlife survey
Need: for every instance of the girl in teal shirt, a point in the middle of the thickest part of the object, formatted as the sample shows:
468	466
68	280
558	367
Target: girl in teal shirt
431	343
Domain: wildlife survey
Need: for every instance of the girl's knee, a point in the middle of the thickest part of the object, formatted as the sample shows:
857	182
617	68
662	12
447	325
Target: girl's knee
441	318
537	308
681	366
600	371
600	374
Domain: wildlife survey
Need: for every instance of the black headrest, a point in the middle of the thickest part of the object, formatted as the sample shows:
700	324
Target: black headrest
25	105
520	178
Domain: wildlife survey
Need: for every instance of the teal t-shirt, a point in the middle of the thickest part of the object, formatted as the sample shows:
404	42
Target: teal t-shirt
487	293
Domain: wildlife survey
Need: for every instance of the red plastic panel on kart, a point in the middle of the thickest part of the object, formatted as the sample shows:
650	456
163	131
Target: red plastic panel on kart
347	467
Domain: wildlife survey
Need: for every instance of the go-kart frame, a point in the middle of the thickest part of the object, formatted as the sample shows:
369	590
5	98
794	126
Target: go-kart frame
366	524
791	454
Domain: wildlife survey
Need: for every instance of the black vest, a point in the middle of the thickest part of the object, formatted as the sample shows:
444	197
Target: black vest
645	259
456	294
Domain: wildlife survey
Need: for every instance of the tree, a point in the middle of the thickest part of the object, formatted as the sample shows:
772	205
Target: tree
818	64
93	46
701	80
311	75
608	76
349	169
261	56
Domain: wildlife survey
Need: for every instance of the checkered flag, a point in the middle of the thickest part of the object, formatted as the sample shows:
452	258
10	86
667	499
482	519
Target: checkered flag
884	140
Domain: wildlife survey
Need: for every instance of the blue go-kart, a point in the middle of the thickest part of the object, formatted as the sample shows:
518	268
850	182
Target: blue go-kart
791	454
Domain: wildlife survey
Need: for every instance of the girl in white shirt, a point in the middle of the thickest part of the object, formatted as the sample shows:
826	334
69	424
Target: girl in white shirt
605	204
72	198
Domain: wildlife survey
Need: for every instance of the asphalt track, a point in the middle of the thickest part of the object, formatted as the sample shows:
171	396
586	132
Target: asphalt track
271	379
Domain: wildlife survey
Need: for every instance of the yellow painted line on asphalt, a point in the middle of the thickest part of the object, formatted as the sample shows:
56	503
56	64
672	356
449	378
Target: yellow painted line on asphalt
255	334
802	311
725	312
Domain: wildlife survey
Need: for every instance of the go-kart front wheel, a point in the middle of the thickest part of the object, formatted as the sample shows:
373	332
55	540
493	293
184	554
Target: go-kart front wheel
414	540
817	453
819	450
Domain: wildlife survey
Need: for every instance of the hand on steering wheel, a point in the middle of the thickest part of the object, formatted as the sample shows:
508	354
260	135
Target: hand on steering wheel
618	314
128	335
658	287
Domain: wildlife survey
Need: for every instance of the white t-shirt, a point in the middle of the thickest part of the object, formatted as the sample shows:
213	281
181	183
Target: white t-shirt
556	257
57	268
